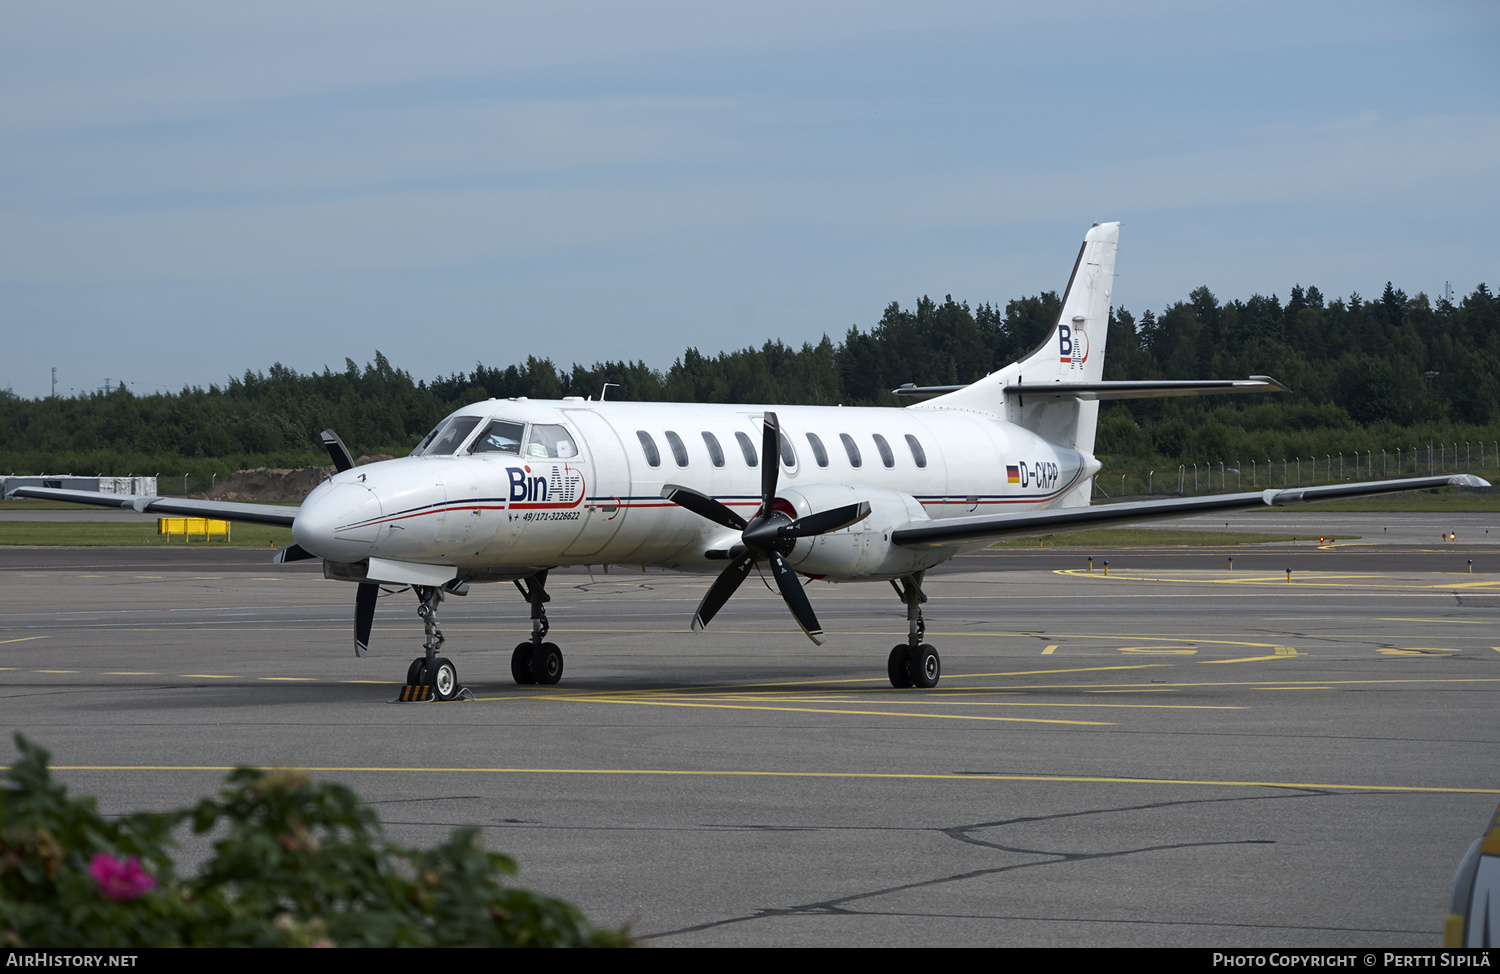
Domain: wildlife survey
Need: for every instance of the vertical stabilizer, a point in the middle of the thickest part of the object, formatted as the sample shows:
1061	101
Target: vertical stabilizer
1073	351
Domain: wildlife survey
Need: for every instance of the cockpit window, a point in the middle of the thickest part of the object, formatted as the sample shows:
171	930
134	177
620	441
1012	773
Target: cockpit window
449	437
500	436
551	441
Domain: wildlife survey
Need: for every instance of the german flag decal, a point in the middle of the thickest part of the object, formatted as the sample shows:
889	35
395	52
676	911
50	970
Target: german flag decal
1012	474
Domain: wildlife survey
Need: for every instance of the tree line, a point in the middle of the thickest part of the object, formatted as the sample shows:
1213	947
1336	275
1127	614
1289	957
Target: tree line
1366	375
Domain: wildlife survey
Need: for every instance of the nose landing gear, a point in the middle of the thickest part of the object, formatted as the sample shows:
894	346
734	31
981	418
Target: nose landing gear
536	661
432	677
913	663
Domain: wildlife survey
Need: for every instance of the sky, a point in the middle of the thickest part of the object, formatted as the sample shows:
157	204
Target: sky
190	191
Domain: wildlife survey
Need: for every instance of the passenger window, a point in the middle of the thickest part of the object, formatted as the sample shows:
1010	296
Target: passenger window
819	454
886	456
747	448
648	446
679	452
918	455
551	442
452	436
851	449
499	437
714	452
788	458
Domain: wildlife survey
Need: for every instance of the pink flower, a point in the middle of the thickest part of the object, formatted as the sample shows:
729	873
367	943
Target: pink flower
120	880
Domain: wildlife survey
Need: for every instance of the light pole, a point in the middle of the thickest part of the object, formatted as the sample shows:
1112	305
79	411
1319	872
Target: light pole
1429	376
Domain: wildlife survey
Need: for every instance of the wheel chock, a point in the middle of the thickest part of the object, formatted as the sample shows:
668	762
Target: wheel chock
421	693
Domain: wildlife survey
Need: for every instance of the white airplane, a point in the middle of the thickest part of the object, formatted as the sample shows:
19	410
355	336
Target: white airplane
506	490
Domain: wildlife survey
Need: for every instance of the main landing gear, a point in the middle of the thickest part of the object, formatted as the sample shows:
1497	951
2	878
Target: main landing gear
431	676
913	663
536	661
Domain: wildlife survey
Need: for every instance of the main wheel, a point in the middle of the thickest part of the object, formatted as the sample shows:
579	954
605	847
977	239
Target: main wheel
520	664
897	667
547	664
443	676
414	671
925	667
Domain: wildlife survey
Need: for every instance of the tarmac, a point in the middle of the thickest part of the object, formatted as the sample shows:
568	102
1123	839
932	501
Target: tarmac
1174	754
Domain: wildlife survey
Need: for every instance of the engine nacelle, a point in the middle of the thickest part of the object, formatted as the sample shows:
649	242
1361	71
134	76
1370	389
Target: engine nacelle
861	551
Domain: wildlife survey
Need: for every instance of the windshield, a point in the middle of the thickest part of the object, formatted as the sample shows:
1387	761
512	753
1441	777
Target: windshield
501	436
447	437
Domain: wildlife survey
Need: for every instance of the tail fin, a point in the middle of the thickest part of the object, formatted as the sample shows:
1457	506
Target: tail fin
1073	351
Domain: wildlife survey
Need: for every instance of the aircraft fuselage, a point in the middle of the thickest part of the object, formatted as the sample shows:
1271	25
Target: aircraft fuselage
495	515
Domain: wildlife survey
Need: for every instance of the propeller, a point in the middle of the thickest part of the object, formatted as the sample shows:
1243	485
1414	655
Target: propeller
337	451
364	616
769	536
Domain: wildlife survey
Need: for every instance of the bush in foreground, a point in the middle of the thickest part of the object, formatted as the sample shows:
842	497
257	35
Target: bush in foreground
301	863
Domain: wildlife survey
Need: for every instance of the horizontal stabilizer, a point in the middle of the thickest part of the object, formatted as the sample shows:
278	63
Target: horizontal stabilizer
1090	391
277	515
996	527
1094	391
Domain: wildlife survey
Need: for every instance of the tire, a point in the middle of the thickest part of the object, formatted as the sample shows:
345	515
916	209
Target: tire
547	664
926	667
520	665
897	668
443	676
414	671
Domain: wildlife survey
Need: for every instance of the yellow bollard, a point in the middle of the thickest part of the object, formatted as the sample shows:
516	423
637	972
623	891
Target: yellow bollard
1106	568
1091	562
1289	576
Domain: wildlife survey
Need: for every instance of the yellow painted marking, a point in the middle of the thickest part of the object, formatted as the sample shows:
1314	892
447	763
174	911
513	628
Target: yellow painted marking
386	682
132	673
1137	690
867	775
1252	659
208	676
296	678
1049	650
1158	650
1302	578
932	700
21	639
1292	688
54	671
823	710
1415	651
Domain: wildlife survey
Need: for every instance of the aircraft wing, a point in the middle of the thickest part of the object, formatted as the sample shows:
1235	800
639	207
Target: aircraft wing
996	527
224	510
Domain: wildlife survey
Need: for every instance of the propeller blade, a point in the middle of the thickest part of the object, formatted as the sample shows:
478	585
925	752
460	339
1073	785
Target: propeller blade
703	506
823	522
770	461
291	552
720	591
337	451
796	598
364	616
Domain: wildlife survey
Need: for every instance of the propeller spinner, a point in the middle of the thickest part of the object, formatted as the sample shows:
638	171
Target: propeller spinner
768	536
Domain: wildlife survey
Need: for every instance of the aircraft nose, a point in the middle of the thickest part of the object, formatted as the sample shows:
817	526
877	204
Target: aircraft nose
339	521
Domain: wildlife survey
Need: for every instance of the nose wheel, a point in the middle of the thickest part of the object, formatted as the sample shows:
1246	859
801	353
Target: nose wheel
431	677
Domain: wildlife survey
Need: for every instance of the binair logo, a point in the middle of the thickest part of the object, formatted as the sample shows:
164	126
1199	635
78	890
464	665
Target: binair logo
1072	345
562	486
524	487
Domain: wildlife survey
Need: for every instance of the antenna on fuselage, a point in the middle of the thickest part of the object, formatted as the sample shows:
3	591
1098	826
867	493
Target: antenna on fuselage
605	388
